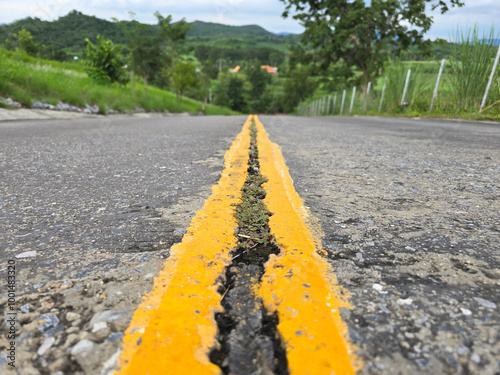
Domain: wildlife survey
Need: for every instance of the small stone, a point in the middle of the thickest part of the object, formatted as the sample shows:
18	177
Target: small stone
181	231
384	308
475	358
410	248
407	301
360	257
101	317
466	312
71	340
25	308
109	366
26	254
98	326
115	336
71	330
54	330
485	303
379	288
409	335
462	350
48	321
47	344
71	316
83	347
370	243
149	276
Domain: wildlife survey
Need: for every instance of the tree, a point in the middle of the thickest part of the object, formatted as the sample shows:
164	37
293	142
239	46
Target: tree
184	76
23	40
298	87
355	32
104	62
258	78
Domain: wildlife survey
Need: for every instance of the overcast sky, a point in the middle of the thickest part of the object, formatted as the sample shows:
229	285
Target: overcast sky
266	13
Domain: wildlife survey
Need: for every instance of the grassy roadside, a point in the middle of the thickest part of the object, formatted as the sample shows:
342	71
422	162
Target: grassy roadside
27	79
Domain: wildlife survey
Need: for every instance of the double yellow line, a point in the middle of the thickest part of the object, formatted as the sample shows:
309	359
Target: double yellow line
174	329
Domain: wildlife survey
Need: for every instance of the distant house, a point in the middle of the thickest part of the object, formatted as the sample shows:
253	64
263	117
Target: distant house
270	69
236	70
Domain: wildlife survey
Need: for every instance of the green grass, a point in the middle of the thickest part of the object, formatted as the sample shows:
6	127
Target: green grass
27	79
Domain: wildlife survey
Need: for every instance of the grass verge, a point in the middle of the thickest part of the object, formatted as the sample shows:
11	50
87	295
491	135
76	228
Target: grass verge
27	79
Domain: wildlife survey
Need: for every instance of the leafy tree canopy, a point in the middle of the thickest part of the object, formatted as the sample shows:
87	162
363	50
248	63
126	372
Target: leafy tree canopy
355	32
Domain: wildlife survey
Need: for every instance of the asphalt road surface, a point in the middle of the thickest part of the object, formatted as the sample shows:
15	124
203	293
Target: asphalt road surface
409	210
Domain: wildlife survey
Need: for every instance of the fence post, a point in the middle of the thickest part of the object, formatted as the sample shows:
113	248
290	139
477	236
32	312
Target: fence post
406	86
382	96
352	99
342	104
323	102
435	94
366	96
492	75
334	103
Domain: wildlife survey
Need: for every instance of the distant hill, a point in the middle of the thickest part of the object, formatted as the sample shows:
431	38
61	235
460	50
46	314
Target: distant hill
69	32
216	30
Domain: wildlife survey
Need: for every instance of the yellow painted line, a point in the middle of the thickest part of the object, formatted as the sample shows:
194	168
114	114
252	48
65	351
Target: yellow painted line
298	283
173	329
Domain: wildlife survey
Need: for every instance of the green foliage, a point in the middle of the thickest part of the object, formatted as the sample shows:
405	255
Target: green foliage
235	92
471	62
258	79
184	76
298	87
356	33
104	62
24	41
52	82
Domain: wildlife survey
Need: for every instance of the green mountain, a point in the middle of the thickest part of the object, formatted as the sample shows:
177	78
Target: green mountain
69	32
217	30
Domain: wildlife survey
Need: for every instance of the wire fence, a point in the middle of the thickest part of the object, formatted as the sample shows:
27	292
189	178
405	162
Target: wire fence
449	86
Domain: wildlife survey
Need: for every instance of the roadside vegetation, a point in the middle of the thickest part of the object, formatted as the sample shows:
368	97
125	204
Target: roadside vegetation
177	66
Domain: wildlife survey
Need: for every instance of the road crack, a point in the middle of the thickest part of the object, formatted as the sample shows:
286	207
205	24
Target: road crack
248	335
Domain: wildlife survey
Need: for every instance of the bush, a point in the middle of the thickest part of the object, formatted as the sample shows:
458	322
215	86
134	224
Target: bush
104	62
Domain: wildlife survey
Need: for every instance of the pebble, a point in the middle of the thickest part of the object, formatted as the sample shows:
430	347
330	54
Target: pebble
71	316
360	257
115	336
54	330
466	312
485	303
407	301
181	231
25	308
384	308
82	347
410	248
47	344
462	350
379	288
98	326
26	254
48	321
476	358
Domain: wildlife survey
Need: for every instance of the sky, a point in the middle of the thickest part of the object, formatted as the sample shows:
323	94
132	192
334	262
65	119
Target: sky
266	13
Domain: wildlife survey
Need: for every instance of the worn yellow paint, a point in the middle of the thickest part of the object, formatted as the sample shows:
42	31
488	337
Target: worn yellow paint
174	328
298	283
